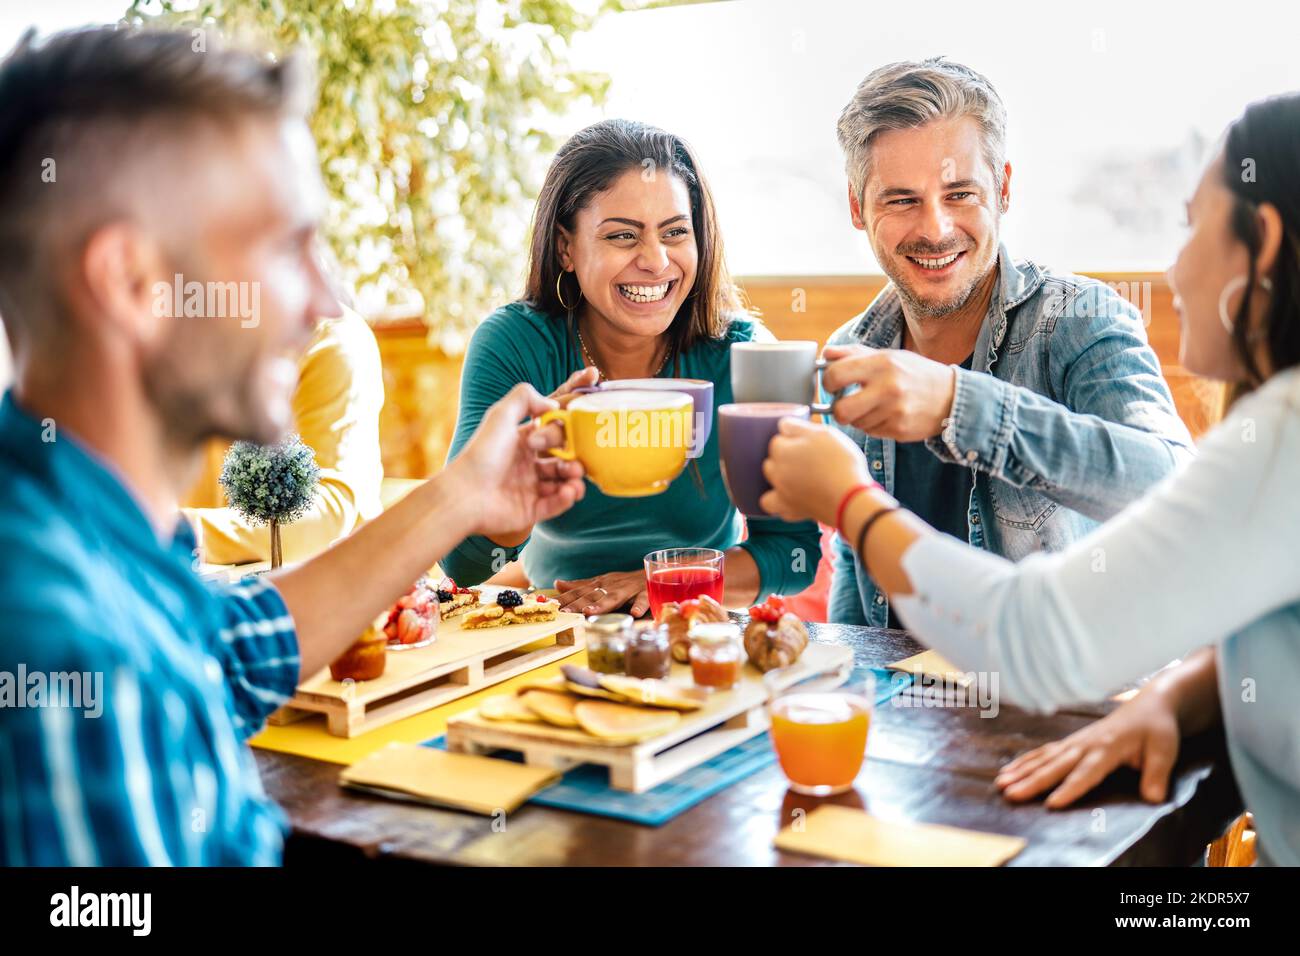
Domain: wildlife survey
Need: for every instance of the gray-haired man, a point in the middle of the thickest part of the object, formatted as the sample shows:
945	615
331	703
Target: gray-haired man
1008	406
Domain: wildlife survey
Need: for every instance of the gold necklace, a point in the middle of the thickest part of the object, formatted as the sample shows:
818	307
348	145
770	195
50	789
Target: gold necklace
601	376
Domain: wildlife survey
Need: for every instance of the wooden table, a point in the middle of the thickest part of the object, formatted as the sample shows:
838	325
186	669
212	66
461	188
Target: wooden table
931	764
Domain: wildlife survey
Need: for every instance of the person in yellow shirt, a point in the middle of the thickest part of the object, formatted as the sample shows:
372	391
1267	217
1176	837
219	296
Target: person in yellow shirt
336	412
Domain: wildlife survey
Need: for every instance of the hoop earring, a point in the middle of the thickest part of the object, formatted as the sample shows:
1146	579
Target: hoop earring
1235	283
559	295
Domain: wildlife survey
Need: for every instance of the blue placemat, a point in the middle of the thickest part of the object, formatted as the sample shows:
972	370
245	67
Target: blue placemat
586	789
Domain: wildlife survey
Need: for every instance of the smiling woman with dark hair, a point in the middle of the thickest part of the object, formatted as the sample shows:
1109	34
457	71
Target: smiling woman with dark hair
626	279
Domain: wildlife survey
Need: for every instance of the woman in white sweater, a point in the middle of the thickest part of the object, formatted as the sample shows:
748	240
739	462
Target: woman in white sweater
1205	568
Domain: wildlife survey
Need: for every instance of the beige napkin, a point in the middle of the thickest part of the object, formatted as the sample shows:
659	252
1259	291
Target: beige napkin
843	833
931	664
463	781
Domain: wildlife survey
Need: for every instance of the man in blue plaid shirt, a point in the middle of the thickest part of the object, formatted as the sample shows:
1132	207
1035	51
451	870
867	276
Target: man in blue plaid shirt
135	169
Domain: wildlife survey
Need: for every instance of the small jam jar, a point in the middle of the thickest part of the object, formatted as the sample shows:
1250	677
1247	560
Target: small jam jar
647	652
717	654
607	636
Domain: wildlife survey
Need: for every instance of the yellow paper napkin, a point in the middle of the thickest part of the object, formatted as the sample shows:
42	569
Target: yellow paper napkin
843	833
931	664
463	781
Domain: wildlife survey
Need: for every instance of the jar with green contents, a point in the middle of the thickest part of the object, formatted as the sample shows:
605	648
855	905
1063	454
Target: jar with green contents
607	636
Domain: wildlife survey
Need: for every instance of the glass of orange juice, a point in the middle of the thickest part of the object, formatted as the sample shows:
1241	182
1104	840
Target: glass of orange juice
819	727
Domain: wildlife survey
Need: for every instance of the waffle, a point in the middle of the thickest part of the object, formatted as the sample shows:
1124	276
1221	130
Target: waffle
495	615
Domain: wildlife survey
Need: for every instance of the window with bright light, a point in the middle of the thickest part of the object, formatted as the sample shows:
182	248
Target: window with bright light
1113	108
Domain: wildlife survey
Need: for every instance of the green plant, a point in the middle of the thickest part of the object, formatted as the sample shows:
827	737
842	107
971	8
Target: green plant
270	484
432	128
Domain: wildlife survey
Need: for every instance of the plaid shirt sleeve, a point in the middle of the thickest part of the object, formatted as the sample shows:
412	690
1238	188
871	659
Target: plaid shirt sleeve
257	647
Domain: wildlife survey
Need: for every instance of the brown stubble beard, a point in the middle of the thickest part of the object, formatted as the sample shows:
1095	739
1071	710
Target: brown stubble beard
198	395
952	305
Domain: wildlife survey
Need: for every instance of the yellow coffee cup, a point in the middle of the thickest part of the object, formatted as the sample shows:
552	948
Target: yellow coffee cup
631	442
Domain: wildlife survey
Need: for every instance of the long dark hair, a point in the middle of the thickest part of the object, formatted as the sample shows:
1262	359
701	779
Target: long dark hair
1261	164
588	164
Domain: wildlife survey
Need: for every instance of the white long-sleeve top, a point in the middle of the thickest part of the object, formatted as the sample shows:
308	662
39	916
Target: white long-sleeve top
1210	556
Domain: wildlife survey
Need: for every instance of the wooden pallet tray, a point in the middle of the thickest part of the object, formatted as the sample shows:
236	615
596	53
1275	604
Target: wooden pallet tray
729	718
459	662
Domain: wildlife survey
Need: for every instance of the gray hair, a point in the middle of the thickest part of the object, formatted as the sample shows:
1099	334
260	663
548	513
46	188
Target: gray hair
909	94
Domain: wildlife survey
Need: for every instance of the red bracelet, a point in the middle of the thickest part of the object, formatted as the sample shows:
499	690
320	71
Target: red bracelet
844	502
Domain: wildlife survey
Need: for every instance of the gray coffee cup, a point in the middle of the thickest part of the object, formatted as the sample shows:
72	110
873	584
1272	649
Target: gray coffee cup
778	372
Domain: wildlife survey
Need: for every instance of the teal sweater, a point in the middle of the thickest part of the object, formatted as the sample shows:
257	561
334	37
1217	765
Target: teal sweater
601	534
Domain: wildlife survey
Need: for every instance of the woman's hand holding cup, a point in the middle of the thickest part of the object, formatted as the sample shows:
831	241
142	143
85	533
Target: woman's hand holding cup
575	385
810	468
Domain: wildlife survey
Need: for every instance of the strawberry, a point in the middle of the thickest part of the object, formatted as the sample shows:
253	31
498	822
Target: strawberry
410	627
769	611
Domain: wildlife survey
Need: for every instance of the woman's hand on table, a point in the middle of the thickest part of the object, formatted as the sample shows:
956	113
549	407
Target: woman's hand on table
810	467
1142	733
501	478
605	593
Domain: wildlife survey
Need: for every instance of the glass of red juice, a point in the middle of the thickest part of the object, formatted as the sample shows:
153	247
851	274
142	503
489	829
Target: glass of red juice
679	574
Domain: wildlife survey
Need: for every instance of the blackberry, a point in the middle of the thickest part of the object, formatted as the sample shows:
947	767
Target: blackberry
444	596
508	599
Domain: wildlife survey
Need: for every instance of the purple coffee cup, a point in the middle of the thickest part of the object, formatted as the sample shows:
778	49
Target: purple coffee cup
701	393
744	431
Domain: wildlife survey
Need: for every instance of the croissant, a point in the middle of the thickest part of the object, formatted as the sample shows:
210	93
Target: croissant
779	644
678	617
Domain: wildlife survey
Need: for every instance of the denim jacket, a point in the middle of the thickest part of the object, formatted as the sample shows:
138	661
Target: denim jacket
1063	418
